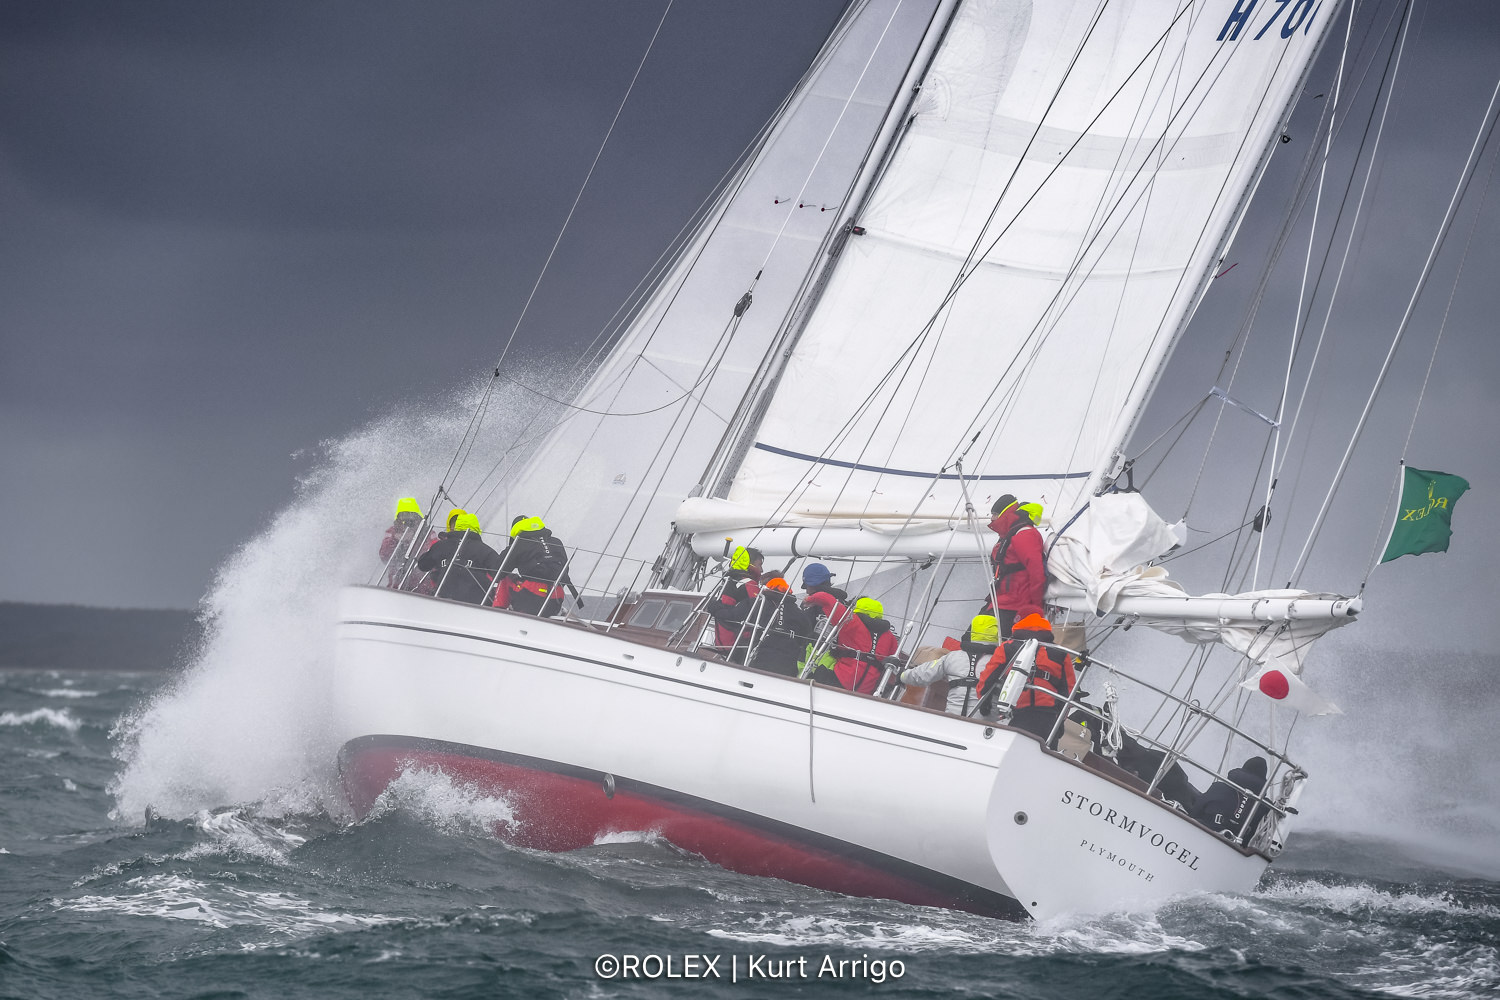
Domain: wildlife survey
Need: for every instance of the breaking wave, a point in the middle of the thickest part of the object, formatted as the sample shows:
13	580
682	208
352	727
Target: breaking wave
251	720
58	718
444	804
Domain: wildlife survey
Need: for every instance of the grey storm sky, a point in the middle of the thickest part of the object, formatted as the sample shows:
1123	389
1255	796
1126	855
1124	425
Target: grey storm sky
233	230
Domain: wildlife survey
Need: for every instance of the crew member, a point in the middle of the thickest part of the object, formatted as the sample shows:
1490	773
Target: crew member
827	604
1020	572
534	569
866	640
741	584
1052	678
773	622
961	666
1223	807
460	563
397	545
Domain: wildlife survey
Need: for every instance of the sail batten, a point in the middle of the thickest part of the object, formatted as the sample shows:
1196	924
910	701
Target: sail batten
885	471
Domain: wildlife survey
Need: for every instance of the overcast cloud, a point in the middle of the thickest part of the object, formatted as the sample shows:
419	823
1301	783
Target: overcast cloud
234	230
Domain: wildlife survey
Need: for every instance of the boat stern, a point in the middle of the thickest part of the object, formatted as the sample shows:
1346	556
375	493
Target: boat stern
1069	840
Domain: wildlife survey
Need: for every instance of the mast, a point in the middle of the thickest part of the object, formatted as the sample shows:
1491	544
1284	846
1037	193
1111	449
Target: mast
728	458
678	564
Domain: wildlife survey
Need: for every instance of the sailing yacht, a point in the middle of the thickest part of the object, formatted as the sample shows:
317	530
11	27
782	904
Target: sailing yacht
952	267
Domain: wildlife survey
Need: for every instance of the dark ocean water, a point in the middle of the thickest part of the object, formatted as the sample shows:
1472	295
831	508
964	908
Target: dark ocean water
255	900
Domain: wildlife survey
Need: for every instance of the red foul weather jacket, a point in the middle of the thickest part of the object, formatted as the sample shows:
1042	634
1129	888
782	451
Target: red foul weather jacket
862	642
1017	561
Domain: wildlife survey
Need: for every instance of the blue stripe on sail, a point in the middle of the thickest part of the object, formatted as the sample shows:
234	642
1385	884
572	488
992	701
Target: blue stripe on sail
906	472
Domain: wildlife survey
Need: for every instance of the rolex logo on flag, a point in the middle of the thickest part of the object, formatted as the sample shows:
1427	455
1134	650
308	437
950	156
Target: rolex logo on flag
1426	511
1286	688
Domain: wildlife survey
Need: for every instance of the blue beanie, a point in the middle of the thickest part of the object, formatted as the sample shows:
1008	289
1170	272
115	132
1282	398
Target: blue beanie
815	575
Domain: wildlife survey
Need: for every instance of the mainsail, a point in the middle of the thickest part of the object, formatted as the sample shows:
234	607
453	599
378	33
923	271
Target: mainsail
1027	224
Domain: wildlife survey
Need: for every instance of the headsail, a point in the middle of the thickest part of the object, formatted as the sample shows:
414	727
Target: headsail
638	436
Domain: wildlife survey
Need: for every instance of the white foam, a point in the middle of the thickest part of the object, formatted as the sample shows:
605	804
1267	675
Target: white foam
440	802
628	837
1362	898
951	931
67	693
935	931
59	718
238	832
108	870
176	897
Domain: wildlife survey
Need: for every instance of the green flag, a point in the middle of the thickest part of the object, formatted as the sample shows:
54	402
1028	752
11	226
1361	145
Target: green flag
1422	522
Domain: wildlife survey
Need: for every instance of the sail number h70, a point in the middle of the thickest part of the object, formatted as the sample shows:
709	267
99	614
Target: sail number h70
1300	15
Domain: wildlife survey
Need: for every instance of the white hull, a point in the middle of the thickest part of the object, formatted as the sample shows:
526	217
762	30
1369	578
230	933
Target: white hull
967	814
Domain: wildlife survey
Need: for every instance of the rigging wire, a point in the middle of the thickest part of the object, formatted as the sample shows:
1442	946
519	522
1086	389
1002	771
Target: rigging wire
1077	285
1239	346
745	300
572	209
1297	319
1481	140
720	196
914	347
1237	351
655	275
471	434
794	203
1182	424
1388	85
1431	360
1392	70
917	342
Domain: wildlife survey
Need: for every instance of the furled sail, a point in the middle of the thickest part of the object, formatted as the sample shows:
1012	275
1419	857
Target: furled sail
1104	564
1021	270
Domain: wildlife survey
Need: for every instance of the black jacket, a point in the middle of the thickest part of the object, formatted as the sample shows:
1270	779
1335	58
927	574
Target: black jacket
472	562
536	555
1223	807
786	631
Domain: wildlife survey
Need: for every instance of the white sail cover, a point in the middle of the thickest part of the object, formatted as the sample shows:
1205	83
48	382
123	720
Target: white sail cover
1039	239
640	433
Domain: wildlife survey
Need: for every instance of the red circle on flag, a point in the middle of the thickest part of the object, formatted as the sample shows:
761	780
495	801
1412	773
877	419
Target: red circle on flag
1273	684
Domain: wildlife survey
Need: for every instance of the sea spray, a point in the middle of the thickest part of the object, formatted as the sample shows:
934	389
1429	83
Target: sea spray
249	719
1406	760
445	804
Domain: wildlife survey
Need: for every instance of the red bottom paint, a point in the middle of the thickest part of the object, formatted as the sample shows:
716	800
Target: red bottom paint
565	811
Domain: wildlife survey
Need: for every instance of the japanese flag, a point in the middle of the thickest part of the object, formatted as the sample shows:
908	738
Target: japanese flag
1286	688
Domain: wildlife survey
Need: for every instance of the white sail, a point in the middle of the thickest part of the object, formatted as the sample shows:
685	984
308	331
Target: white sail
1093	156
637	437
1027	261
